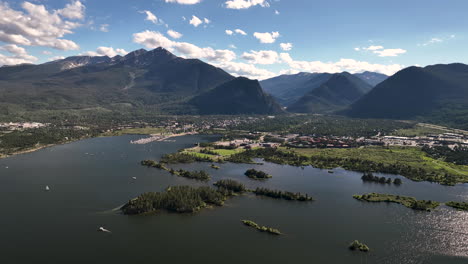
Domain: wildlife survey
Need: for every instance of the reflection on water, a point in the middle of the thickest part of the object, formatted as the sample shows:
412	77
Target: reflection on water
91	177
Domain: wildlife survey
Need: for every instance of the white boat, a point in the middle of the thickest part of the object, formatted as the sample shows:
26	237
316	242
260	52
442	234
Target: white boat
134	178
102	229
47	188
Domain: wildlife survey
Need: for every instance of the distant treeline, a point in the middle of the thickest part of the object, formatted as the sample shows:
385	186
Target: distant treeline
325	126
19	140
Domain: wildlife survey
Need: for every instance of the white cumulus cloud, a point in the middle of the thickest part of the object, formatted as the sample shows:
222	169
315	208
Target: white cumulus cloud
286	46
244	4
150	16
267	37
240	31
235	31
37	26
261	57
195	21
153	39
381	51
105	51
184	2
390	52
17	55
349	65
174	34
74	10
245	69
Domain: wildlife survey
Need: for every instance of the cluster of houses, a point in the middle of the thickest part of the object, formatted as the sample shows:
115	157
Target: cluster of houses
248	144
448	139
297	141
327	142
21	125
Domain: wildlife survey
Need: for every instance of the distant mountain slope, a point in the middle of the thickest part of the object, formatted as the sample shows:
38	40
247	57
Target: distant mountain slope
339	91
239	96
372	78
438	93
288	89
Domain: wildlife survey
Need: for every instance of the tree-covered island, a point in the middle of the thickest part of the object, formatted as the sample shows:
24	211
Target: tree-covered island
462	206
196	175
282	194
407	201
356	245
260	228
257	175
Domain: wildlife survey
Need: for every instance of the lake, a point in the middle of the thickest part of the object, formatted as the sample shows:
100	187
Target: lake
90	178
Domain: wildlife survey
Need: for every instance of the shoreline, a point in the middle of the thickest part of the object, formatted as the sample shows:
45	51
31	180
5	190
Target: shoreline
30	150
25	151
159	138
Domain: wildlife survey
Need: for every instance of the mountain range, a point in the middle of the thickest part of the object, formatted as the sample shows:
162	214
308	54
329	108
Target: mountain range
156	79
159	82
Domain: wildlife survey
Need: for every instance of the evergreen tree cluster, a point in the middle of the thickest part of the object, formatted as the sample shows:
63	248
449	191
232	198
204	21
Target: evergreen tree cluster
257	175
282	194
369	177
180	199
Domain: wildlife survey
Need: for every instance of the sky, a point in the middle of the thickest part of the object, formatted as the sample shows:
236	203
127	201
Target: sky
258	39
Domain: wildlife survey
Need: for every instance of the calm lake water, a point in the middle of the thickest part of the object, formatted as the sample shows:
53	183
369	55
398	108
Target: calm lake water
90	178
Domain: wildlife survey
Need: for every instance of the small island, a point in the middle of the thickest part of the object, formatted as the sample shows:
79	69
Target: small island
282	194
356	245
180	199
214	167
269	230
369	177
407	201
463	206
195	175
257	175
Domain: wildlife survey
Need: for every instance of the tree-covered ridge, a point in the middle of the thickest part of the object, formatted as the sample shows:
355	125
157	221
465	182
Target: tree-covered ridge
407	201
180	199
436	93
260	228
257	175
282	194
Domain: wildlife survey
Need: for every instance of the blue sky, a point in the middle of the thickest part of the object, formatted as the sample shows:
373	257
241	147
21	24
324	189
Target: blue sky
316	36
